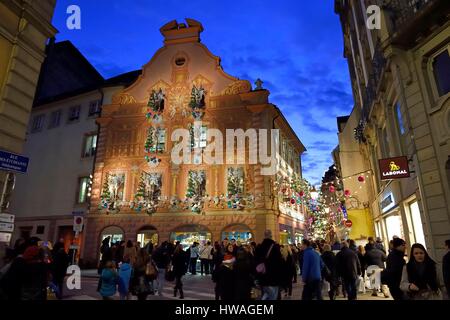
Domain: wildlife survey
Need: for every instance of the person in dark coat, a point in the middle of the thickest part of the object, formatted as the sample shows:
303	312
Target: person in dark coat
446	268
35	276
217	261
225	275
348	268
362	260
179	269
161	256
59	267
395	261
379	245
329	259
106	252
288	270
375	256
270	280
12	281
243	270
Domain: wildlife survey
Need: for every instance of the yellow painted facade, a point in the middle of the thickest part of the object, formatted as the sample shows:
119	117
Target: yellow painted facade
362	227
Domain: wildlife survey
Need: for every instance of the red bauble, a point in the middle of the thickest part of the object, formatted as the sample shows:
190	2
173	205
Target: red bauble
292	201
301	193
347	192
361	179
332	189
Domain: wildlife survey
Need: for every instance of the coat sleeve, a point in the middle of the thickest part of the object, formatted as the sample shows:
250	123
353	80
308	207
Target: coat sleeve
306	266
404	283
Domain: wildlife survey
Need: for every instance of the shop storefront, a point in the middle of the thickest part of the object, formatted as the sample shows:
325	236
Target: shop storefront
285	234
147	234
188	234
238	232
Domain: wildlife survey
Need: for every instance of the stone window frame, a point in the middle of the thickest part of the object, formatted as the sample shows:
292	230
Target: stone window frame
431	79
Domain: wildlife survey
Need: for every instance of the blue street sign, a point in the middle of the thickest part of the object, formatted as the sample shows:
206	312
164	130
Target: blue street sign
344	211
13	162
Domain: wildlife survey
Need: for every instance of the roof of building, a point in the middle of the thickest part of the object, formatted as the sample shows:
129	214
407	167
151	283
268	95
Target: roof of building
66	73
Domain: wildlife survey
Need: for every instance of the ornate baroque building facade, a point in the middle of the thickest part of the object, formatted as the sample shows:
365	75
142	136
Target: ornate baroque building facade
139	193
400	80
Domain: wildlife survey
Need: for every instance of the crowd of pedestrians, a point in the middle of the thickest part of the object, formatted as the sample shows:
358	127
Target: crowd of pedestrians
34	270
239	271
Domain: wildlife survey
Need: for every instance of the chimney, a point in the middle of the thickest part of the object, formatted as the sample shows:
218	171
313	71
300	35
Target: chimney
175	33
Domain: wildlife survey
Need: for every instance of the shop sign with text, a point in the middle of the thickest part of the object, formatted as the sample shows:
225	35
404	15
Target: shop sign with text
394	168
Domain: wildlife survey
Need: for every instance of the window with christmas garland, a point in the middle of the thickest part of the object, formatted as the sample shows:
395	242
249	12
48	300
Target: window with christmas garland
235	181
156	140
197	102
113	191
155	103
148	192
198	136
196	189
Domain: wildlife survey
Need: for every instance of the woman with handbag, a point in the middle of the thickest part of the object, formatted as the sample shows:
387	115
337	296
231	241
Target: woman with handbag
179	269
419	277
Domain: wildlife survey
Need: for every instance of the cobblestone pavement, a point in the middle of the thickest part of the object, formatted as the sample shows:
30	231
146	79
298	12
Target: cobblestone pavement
195	287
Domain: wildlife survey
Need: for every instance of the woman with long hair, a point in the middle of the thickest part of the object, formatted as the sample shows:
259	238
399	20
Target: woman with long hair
288	270
419	277
140	281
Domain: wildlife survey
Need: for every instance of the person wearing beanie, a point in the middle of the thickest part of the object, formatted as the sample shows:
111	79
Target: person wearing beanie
392	275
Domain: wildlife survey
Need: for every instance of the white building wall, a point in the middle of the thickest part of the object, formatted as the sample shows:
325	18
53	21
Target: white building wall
49	188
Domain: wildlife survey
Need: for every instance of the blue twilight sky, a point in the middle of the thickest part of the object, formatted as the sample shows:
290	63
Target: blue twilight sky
294	46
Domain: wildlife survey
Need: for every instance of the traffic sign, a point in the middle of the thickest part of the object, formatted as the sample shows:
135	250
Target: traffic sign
5	237
6	227
77	223
13	162
348	223
5	217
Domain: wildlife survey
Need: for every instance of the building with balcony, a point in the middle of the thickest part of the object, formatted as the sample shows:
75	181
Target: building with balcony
140	193
401	88
61	143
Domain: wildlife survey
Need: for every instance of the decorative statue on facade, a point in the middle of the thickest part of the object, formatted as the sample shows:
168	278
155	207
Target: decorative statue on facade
197	102
112	193
148	194
155	106
196	190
